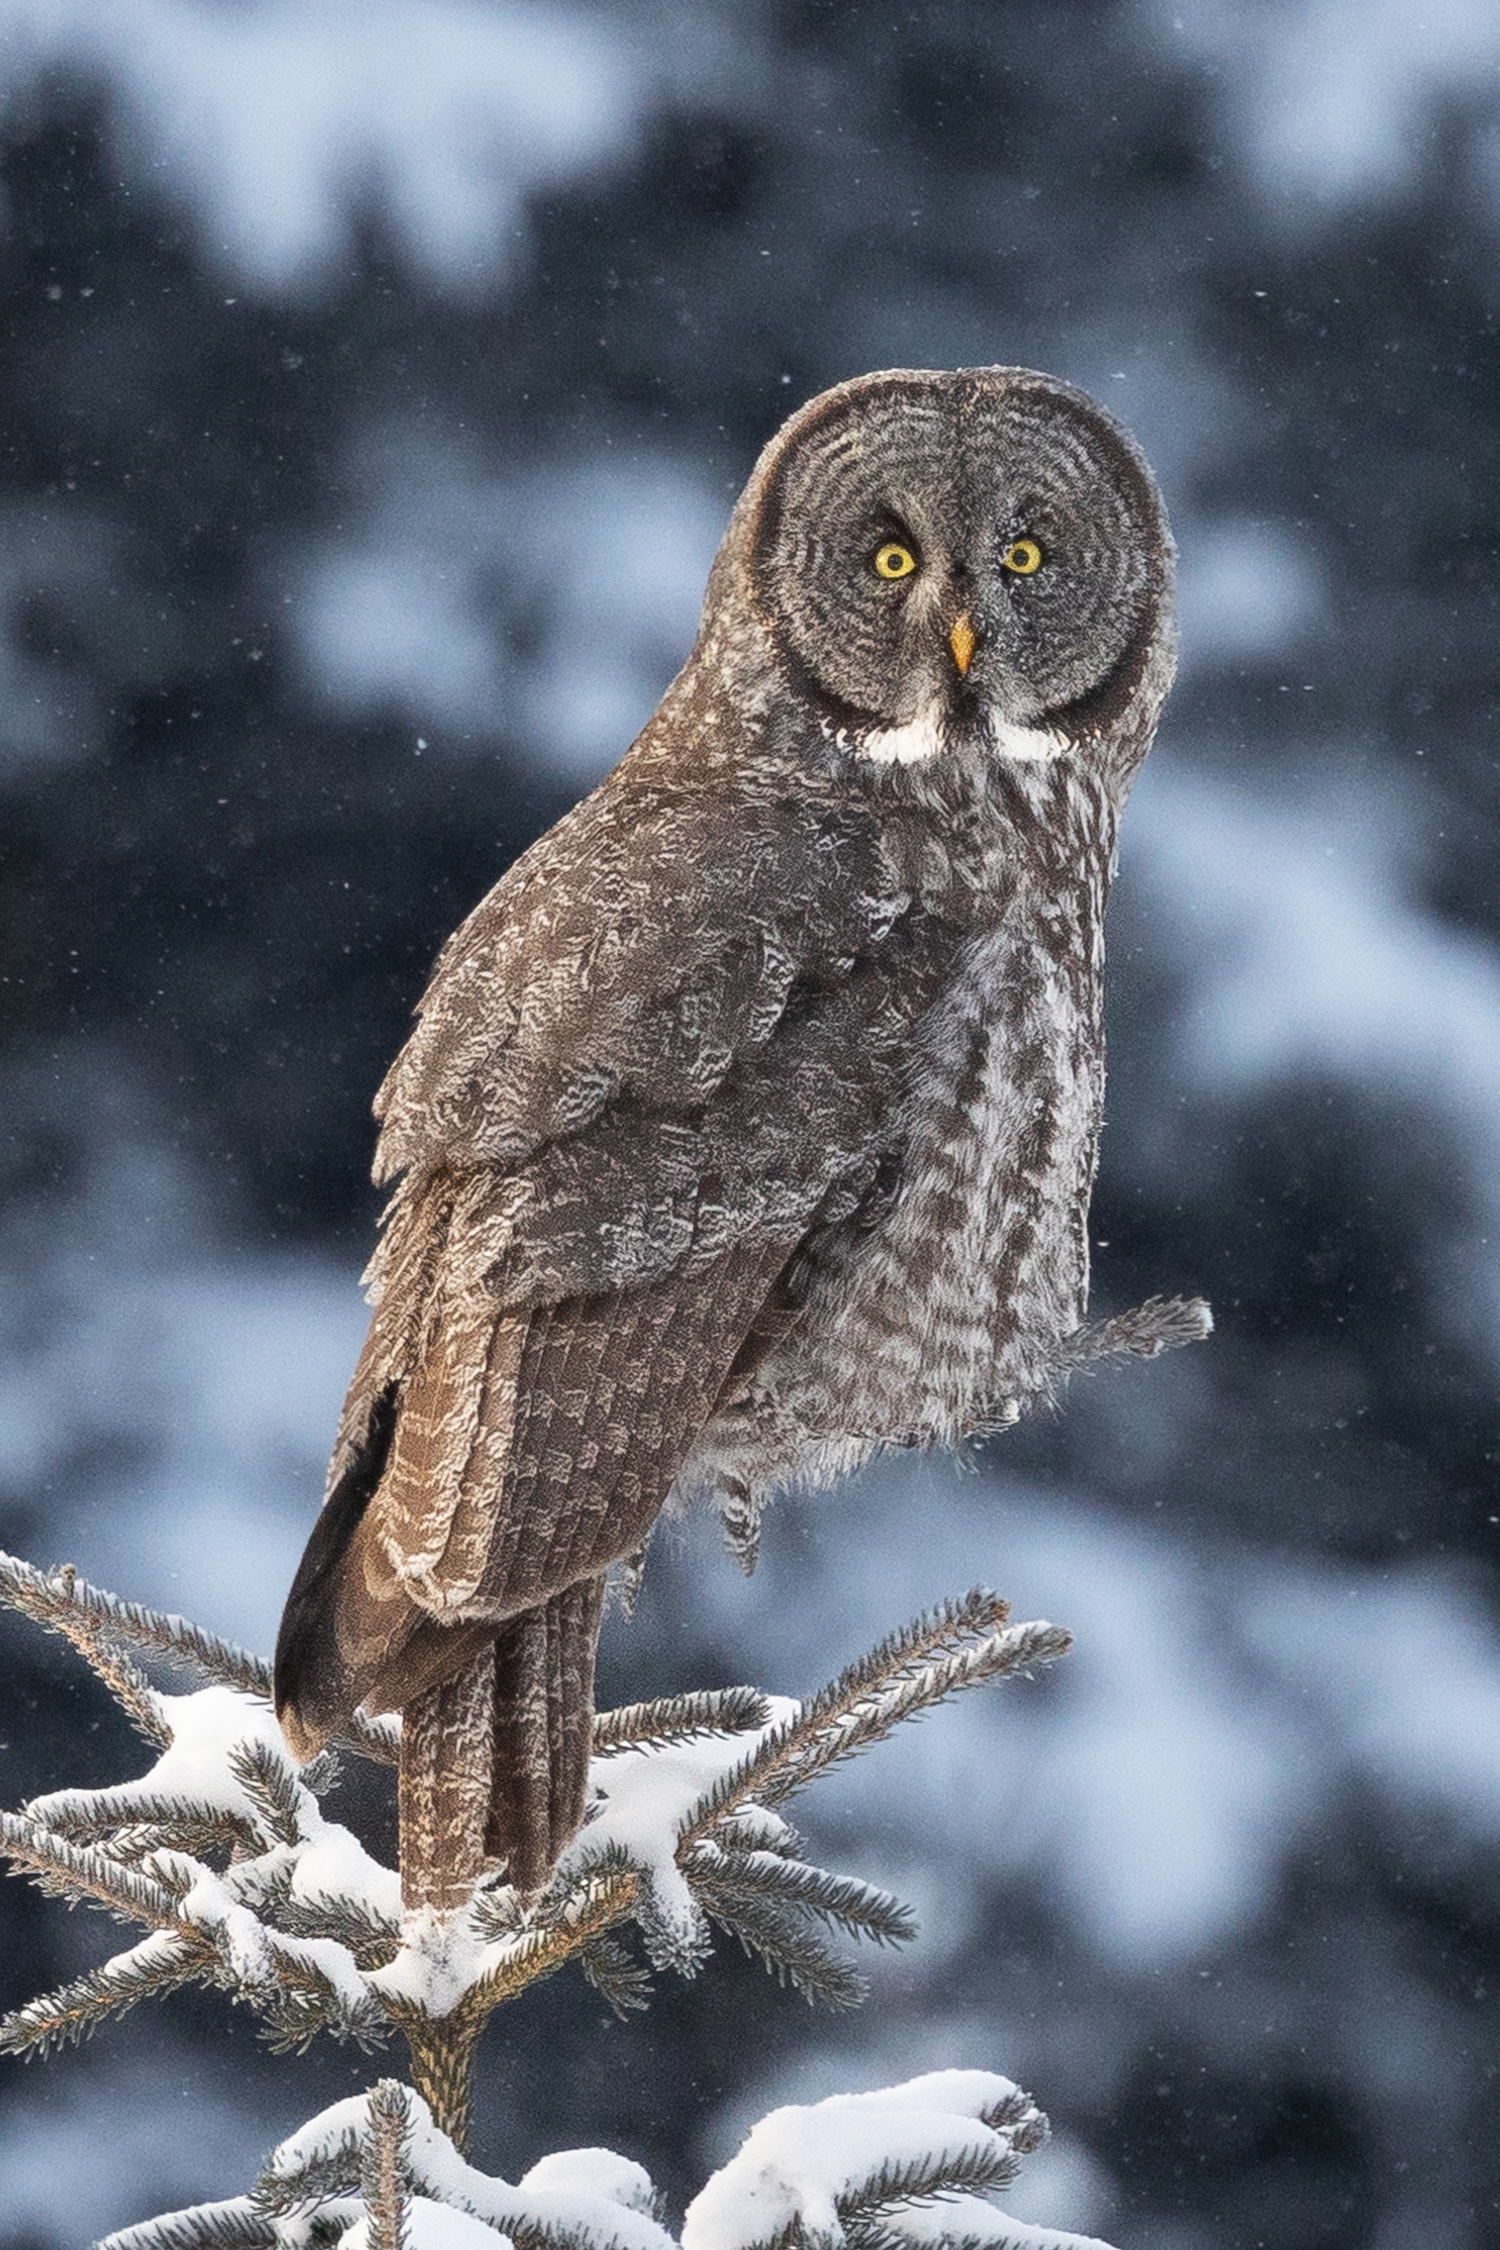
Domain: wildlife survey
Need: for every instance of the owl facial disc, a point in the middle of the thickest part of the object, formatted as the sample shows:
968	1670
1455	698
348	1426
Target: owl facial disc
972	560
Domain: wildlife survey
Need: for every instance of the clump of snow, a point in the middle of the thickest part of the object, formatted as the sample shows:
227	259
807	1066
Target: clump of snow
964	2218
201	1770
197	1768
597	2199
646	1798
439	1958
433	2226
194	1766
803	2166
594	2172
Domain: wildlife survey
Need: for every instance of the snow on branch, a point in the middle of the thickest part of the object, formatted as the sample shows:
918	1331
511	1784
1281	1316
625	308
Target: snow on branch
908	2167
223	1855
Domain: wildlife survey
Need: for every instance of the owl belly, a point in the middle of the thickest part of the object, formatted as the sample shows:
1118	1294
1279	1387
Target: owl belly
948	1307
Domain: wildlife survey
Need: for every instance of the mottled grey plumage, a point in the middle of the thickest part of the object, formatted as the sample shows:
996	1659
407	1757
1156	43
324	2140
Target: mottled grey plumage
751	1121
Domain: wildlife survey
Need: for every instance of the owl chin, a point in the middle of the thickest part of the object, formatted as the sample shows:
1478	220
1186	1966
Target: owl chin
926	737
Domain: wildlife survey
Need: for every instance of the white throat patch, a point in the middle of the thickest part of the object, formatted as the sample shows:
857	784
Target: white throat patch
1033	744
911	745
921	739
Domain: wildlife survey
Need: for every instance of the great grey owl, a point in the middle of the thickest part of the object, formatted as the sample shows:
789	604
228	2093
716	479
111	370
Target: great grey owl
750	1123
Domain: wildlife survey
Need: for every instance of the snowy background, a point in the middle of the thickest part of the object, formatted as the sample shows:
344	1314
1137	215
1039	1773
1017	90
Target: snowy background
377	378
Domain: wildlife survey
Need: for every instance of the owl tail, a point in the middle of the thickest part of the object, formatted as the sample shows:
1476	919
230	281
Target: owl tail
495	1760
544	1727
497	1719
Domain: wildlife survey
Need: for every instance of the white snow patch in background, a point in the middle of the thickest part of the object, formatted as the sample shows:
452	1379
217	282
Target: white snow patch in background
1310	954
1247	588
1403	1671
270	120
551	606
176	1421
1329	98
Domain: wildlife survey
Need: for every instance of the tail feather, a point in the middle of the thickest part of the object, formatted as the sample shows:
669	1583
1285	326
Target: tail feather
544	1724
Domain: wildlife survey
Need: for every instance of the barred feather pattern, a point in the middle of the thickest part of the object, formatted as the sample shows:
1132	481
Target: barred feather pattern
750	1123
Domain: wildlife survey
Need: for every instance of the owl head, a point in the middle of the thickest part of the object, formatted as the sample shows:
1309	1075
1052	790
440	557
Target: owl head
972	562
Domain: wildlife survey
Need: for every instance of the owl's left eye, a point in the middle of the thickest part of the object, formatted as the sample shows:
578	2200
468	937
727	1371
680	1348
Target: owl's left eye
894	561
1024	557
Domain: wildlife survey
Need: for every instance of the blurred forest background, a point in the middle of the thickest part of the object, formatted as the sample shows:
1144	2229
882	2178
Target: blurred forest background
377	377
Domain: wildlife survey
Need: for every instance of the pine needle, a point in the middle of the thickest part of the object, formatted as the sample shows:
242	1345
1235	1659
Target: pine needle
77	1871
60	2019
236	2225
952	1647
842	1900
679	1718
91	1618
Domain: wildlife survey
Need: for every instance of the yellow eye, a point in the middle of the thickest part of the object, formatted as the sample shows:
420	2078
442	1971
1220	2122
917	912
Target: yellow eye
1023	556
894	561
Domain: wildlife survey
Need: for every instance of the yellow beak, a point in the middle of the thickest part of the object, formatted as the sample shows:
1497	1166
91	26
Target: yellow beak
961	641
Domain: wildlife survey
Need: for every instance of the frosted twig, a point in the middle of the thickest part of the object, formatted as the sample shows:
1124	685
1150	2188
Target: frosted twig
79	1871
678	1718
161	1963
386	2170
90	1617
952	1647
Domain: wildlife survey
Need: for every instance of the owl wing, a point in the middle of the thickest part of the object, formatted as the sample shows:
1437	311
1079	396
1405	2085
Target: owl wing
632	1089
637	952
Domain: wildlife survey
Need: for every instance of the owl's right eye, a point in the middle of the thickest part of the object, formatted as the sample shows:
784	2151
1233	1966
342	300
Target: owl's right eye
894	561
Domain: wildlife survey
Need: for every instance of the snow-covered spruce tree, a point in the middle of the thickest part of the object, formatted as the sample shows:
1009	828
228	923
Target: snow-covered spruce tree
223	1855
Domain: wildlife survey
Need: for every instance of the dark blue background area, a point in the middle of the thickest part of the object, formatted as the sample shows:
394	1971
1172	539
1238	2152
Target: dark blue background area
377	381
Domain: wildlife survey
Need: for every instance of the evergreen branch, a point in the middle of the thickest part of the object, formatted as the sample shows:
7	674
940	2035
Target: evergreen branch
623	1983
1017	2116
68	1604
77	1871
270	1782
789	1948
841	1899
906	1652
884	2231
593	1908
385	2174
370	1937
129	1815
62	1598
236	2225
379	1740
872	1719
335	2167
953	1647
188	1838
961	1618
678	1718
161	1963
973	2169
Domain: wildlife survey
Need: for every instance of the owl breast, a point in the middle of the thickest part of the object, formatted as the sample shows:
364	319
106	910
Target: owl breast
941	1303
